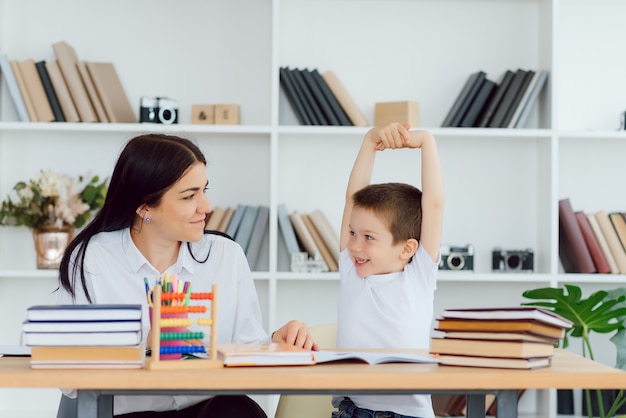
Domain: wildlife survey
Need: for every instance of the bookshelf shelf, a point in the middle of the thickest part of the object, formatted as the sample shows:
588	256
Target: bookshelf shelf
502	185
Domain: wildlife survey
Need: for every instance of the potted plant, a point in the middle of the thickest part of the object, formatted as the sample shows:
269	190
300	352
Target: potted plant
52	205
602	312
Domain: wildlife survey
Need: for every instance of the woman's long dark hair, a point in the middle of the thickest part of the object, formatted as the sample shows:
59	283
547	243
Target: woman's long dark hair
147	167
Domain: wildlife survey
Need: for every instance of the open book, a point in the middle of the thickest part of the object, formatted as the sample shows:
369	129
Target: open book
275	354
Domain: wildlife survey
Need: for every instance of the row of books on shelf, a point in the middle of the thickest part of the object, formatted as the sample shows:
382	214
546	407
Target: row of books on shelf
66	89
511	338
84	336
319	99
307	240
484	103
591	242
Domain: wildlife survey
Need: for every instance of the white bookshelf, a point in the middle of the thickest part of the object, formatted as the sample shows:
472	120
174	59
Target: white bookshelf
502	186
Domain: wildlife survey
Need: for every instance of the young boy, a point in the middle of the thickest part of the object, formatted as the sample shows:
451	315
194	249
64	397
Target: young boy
390	238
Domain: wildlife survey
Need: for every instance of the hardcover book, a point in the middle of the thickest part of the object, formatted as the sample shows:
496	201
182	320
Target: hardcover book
480	101
88	357
503	107
320	99
91	92
528	99
293	97
491	348
494	362
341	115
494	102
612	239
597	255
28	103
318	116
528	78
461	104
510	313
111	92
63	93
497	326
573	251
597	231
94	312
14	89
50	93
81	338
36	91
81	326
343	97
67	58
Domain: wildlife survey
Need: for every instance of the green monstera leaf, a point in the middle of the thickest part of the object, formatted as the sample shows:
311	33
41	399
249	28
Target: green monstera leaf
598	312
602	312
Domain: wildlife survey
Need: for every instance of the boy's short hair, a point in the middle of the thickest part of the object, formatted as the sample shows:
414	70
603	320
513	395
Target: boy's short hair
398	204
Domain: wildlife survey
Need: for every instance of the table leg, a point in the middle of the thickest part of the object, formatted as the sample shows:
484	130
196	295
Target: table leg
506	403
475	406
93	404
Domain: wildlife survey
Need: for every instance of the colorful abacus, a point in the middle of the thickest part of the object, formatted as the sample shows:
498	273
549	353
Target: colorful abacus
178	303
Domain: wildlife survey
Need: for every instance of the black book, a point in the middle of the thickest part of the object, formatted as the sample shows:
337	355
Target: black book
463	100
319	97
344	120
496	98
50	93
507	100
316	113
292	95
517	99
478	104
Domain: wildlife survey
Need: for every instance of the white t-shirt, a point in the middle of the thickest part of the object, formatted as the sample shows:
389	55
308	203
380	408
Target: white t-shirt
115	271
393	310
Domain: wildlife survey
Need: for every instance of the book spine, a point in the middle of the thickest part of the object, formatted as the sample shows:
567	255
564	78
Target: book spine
293	97
14	89
597	231
479	102
612	239
298	76
454	116
319	97
602	266
532	99
344	120
91	92
347	103
36	91
28	103
487	114
50	93
503	107
528	77
573	250
63	94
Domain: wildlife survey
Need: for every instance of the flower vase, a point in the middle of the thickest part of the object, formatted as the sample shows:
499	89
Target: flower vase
50	244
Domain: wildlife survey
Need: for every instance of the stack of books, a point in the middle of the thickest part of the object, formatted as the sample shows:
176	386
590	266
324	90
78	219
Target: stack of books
512	338
84	336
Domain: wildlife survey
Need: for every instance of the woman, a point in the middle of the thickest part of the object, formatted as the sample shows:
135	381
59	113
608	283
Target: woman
152	222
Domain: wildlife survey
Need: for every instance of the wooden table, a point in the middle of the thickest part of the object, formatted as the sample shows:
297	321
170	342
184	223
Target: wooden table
97	387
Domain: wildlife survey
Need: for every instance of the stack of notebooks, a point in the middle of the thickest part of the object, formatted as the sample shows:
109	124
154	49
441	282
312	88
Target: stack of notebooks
511	338
84	336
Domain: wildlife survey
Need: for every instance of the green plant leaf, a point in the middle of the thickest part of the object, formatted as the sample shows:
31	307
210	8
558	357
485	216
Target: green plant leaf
596	313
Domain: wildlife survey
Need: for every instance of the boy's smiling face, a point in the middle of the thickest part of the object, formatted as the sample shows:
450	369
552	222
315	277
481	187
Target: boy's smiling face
371	245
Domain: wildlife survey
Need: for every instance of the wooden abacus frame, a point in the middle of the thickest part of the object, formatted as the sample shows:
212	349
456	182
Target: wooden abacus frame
155	362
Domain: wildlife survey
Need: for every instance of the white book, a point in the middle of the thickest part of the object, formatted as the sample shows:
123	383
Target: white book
81	338
80	326
94	312
508	313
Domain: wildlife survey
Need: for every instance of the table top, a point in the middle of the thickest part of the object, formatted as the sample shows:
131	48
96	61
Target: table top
568	371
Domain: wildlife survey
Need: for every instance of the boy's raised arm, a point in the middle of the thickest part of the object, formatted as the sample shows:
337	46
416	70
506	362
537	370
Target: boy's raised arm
394	135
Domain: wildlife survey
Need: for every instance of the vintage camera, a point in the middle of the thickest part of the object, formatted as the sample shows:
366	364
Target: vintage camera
512	260
158	110
457	258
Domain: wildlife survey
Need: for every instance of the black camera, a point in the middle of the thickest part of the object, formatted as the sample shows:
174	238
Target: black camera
158	110
457	258
512	260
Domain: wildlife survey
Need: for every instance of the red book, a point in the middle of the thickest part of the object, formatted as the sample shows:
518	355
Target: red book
601	263
573	251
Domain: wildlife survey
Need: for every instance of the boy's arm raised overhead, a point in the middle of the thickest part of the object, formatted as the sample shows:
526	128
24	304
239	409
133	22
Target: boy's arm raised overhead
393	136
432	192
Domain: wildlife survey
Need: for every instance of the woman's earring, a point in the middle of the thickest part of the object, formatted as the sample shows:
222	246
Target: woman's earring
147	219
